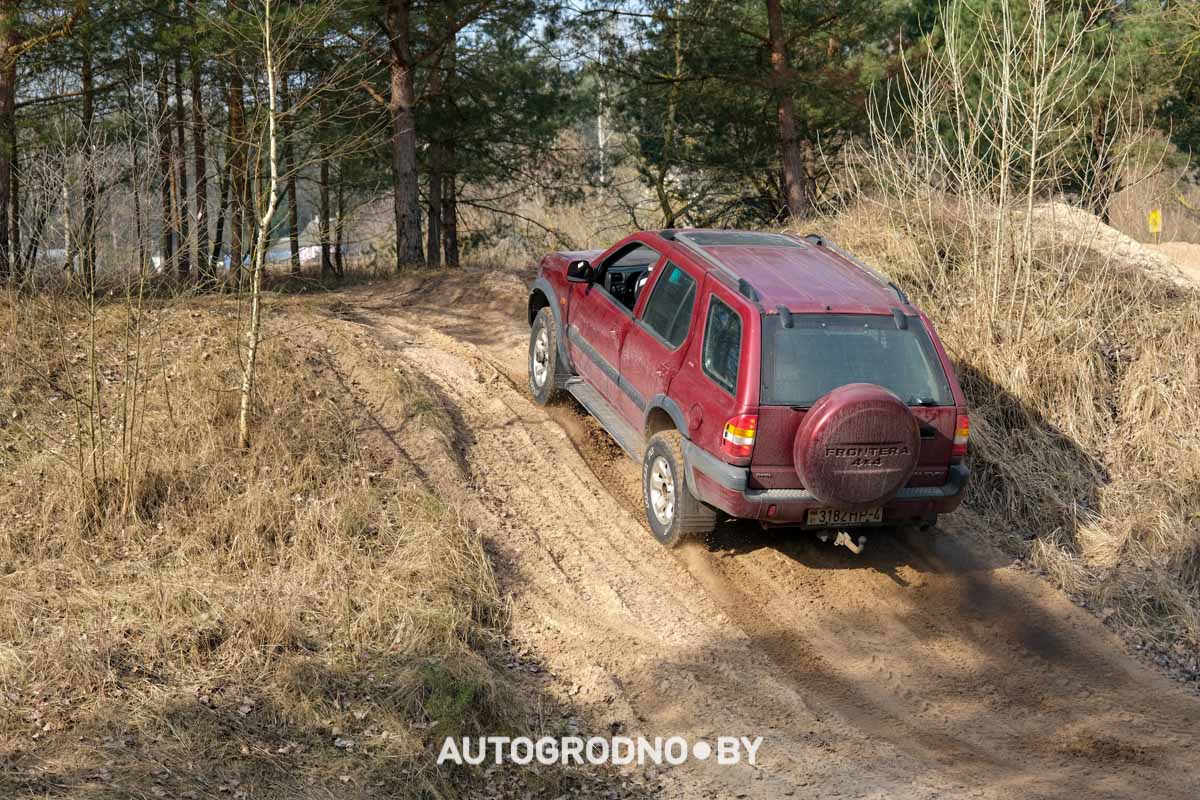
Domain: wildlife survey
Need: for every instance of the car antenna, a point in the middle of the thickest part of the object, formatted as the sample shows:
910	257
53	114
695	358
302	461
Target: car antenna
901	320
785	315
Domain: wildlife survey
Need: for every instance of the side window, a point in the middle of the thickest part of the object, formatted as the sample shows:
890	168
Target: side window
635	255
722	344
620	273
669	309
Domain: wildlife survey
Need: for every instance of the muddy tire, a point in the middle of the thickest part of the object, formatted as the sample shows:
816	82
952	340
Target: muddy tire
673	512
543	358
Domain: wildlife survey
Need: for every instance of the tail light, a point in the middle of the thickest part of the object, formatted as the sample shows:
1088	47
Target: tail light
738	438
962	430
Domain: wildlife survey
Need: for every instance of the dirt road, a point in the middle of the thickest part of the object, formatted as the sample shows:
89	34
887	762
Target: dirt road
928	667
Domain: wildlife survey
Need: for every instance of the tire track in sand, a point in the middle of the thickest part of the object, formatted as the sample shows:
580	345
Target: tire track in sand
927	668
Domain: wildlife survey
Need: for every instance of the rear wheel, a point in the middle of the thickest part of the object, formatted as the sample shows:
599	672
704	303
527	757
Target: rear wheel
543	358
673	512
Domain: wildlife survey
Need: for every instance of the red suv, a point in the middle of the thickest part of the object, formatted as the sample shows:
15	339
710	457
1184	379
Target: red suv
762	375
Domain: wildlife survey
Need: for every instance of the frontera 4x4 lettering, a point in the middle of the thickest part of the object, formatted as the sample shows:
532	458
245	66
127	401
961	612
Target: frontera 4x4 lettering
757	375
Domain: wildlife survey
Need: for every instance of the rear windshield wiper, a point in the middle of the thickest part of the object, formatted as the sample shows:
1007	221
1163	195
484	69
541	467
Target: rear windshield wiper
922	401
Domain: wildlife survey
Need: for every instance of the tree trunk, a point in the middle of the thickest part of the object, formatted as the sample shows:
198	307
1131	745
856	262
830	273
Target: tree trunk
789	144
222	208
15	193
39	226
167	246
68	244
406	197
811	168
204	258
181	186
41	212
137	218
236	164
1099	194
450	218
87	246
323	221
8	90
449	169
260	246
433	245
339	229
289	173
662	174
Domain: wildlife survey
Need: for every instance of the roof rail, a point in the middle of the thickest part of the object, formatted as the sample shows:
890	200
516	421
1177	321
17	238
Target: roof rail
732	278
785	315
879	277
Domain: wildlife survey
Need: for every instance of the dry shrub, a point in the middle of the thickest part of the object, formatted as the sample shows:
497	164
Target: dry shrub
1085	442
1075	346
247	610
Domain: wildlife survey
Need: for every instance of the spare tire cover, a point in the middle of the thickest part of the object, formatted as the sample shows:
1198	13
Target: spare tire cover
857	446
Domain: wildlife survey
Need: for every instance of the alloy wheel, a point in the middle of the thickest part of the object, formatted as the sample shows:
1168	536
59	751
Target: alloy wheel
662	491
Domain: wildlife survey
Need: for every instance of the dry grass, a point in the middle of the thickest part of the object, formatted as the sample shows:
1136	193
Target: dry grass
1076	347
302	619
1085	421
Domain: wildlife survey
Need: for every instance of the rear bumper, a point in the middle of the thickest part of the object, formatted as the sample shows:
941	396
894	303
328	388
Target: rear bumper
725	487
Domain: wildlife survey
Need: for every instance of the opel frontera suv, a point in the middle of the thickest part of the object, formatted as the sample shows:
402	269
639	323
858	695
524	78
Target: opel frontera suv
758	375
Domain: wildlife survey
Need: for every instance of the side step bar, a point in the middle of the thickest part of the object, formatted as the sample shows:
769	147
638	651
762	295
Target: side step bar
622	432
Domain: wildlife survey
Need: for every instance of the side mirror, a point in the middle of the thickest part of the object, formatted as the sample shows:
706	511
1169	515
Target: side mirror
579	272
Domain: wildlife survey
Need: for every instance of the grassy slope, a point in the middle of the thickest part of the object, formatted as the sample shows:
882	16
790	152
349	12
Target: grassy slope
1085	422
307	618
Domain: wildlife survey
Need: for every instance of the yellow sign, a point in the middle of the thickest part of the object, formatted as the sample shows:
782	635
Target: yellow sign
1154	220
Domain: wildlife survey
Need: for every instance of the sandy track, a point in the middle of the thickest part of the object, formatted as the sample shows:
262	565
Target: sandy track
927	668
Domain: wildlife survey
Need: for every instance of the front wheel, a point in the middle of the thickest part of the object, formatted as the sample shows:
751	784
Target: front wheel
672	510
543	358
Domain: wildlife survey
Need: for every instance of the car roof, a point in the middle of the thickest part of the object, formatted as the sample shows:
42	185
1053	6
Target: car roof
804	275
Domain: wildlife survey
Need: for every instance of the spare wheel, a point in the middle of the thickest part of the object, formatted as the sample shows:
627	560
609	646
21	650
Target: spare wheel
857	446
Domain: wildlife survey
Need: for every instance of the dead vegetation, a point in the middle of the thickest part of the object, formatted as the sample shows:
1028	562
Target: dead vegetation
1074	344
1085	428
302	618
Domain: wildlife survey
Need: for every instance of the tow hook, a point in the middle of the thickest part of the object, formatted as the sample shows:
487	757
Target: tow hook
843	539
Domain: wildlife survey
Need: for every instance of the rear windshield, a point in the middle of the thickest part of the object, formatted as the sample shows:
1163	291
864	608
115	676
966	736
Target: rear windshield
821	352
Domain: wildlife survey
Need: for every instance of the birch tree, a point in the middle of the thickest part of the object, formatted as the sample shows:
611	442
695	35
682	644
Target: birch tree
254	334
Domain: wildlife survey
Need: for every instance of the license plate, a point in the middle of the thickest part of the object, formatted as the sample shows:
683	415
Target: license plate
836	516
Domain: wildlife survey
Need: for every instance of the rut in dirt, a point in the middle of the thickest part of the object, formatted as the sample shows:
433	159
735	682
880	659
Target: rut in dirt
928	667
